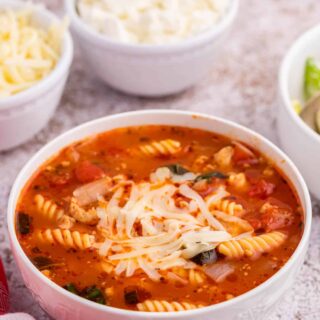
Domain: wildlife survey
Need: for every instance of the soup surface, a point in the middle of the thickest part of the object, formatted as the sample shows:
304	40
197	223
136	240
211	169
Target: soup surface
158	218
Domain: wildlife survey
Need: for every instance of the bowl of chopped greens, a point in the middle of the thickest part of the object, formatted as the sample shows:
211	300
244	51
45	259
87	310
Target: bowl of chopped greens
299	110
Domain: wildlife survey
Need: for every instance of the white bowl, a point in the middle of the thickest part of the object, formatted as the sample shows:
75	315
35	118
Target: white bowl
255	304
24	114
299	141
150	70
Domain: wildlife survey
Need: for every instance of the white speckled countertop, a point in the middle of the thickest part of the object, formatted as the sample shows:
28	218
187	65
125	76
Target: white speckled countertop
242	87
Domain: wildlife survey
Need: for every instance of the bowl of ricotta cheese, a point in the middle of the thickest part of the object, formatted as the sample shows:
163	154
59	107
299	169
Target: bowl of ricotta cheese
149	47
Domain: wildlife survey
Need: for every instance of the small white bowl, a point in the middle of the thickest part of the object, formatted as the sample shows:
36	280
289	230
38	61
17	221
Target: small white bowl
255	304
150	70
299	141
24	114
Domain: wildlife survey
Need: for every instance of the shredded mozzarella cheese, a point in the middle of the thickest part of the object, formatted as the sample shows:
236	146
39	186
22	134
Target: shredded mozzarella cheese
151	232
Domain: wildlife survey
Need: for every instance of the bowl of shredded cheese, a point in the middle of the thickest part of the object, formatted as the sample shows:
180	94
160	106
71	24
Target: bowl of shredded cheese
36	51
149	47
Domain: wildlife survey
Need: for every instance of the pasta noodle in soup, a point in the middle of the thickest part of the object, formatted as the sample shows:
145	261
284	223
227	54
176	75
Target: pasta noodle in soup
158	218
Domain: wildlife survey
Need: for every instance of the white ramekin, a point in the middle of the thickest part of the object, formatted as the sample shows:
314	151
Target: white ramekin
255	304
299	141
24	114
150	70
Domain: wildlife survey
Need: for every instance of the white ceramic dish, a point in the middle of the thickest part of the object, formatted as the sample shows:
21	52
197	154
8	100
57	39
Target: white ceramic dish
24	114
150	70
256	304
300	142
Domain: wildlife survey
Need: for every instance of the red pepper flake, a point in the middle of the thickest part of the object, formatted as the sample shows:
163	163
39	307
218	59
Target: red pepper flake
87	172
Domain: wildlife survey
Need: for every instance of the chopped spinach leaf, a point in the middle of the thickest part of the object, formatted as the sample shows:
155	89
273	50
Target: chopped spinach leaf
42	263
91	293
94	294
210	175
206	257
131	297
24	223
177	169
71	288
135	294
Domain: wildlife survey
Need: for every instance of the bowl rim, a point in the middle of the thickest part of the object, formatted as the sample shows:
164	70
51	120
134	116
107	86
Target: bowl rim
17	187
100	40
61	67
296	47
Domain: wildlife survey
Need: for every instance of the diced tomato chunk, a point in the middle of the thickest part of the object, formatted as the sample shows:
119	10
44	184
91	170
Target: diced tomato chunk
87	172
274	217
243	155
262	189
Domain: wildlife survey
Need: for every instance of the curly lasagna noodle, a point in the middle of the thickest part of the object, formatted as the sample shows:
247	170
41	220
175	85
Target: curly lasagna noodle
158	218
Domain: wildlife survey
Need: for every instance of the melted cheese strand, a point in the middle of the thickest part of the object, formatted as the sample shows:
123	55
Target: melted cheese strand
151	272
186	191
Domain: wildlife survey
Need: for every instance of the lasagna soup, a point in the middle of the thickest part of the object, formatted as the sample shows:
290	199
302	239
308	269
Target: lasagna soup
158	218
